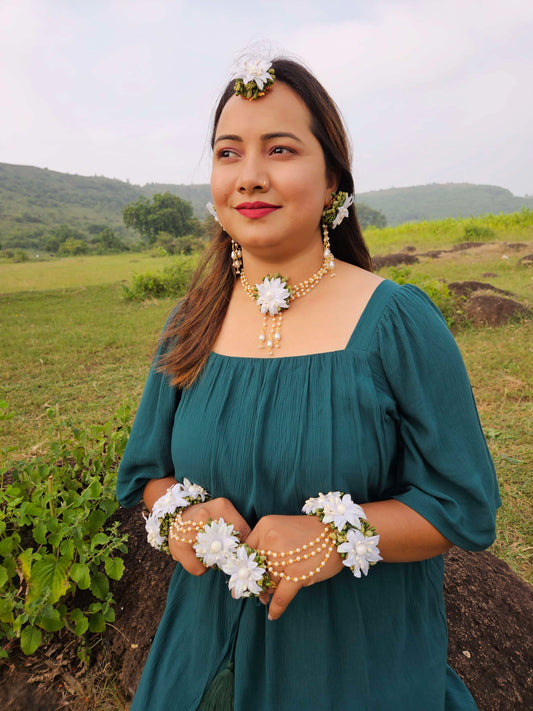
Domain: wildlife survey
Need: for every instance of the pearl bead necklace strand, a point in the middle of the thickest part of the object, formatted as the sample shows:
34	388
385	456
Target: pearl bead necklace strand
271	336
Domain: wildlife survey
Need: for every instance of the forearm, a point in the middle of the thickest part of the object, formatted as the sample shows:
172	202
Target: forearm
156	488
404	535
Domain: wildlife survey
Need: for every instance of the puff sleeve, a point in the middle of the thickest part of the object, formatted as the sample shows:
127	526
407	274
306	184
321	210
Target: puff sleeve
148	452
444	469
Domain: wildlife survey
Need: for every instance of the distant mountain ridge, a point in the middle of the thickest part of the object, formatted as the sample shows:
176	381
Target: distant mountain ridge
34	201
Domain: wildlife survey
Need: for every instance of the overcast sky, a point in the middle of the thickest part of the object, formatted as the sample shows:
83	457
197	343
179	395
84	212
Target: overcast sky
431	90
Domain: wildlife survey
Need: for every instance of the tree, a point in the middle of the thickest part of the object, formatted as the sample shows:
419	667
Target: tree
61	234
166	213
108	241
73	247
368	217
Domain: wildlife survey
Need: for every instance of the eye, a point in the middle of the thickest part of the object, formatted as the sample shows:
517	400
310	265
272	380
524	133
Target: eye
226	153
281	150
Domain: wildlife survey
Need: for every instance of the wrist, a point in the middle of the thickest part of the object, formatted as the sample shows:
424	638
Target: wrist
356	540
176	499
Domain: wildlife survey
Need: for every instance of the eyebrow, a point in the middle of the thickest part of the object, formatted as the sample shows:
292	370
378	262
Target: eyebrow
264	137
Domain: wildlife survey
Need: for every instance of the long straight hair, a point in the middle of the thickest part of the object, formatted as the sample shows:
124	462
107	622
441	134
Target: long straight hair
193	328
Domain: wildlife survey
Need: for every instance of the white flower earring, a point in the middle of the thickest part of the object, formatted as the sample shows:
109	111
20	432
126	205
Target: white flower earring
337	210
212	211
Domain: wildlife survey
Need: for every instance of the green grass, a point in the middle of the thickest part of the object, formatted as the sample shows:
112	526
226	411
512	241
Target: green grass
445	233
69	339
67	272
84	349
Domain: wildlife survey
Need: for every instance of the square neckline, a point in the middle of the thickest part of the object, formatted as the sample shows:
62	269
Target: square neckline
373	308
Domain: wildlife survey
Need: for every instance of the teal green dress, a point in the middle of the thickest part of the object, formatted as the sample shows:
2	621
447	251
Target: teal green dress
390	416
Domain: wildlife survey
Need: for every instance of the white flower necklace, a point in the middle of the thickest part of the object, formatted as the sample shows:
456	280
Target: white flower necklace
275	293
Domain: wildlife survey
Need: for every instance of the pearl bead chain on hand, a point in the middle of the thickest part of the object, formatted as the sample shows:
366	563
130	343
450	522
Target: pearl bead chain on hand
275	559
180	531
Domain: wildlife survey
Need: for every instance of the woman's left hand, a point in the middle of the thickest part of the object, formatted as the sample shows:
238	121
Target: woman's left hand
280	534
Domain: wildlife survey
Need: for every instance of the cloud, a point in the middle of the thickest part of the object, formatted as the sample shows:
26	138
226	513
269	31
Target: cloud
430	90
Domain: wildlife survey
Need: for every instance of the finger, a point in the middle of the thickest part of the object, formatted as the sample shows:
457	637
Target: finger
216	509
264	597
230	514
184	554
282	597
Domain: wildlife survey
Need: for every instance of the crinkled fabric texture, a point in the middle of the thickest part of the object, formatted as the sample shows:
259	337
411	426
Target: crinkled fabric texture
391	415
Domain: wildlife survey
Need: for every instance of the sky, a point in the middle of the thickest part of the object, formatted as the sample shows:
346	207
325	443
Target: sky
432	91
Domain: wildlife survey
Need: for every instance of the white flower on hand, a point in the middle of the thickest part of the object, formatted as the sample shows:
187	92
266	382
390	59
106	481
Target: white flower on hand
152	527
193	491
342	211
169	502
255	69
272	295
216	542
316	503
244	572
341	511
360	551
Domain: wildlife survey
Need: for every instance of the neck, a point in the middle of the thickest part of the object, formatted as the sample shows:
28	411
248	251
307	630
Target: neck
296	267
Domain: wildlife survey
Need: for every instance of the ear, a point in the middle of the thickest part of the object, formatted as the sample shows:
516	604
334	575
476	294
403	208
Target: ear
332	185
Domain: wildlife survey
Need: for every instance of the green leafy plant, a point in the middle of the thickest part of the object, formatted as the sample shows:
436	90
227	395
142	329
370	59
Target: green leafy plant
478	233
172	281
450	305
58	545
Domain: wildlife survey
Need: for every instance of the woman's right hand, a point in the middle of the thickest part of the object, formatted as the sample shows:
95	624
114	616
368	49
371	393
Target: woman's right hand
216	508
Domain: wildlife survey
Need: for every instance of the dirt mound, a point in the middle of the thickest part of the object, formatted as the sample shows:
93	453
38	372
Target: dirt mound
489	310
527	260
465	288
393	260
490	619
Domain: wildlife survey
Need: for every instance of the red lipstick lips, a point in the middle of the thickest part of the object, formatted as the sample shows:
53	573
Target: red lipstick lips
255	210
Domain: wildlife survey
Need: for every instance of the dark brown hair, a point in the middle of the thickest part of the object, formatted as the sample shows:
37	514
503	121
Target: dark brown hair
194	326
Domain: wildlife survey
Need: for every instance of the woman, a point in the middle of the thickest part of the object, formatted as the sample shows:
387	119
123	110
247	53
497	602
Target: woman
356	387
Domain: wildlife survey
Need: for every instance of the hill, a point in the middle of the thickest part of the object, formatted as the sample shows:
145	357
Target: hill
34	201
437	201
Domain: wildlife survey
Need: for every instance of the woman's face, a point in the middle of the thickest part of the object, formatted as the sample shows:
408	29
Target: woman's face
269	180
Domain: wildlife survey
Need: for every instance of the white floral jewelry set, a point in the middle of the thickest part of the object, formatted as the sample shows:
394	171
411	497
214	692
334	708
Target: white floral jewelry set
254	76
251	571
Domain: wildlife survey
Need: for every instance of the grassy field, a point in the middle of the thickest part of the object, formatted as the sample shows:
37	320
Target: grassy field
70	340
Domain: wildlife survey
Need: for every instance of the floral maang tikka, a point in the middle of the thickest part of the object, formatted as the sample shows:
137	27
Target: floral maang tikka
254	75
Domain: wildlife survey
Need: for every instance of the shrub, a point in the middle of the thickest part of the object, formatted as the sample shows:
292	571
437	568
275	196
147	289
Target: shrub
477	233
172	281
450	305
56	537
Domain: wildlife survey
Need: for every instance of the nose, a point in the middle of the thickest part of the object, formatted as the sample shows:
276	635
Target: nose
252	176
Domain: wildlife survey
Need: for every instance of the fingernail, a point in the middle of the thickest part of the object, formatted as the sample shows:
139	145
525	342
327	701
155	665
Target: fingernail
270	618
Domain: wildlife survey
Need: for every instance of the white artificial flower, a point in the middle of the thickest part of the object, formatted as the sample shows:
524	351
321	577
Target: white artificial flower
244	572
152	529
342	211
169	502
251	68
360	551
316	503
212	211
341	511
192	491
216	542
272	295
